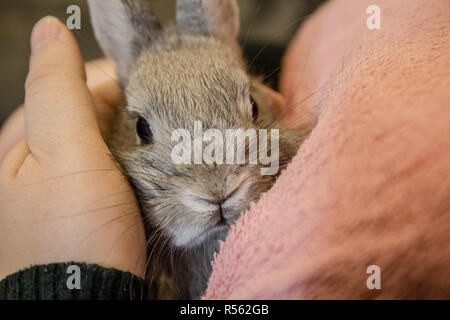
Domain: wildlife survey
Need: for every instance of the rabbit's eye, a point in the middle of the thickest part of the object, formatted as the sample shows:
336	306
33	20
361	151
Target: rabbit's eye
144	131
255	108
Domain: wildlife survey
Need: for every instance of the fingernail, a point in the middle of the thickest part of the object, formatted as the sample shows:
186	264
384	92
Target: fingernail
44	30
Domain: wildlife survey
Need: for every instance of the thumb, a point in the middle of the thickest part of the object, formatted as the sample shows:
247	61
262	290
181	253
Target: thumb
59	110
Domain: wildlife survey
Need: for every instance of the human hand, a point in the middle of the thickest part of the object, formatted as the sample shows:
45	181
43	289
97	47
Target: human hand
62	197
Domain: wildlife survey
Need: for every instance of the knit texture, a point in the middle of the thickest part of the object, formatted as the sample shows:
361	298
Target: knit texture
371	185
49	282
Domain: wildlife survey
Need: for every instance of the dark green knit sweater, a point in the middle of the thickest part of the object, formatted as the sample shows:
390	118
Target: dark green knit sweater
49	282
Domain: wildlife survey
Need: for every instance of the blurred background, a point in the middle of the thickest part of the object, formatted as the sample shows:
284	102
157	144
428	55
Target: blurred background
267	26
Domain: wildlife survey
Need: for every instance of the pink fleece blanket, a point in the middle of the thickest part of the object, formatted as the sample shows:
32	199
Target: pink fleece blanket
371	186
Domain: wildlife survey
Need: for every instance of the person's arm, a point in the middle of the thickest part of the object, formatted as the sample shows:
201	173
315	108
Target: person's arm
58	281
62	197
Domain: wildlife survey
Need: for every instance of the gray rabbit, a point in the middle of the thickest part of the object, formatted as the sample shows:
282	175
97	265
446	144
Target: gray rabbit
173	77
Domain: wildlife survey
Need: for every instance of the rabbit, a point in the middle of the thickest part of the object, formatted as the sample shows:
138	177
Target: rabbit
172	76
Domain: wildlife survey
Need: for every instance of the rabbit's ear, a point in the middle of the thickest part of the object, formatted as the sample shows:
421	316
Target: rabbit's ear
217	18
123	28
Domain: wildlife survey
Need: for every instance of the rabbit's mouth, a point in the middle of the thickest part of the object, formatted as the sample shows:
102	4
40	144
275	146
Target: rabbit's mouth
211	216
223	211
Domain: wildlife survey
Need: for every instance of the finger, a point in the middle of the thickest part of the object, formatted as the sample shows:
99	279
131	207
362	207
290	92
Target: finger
105	89
103	83
107	98
58	105
14	160
104	86
12	132
100	71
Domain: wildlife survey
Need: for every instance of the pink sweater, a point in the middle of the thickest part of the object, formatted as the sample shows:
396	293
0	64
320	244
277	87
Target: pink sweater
371	186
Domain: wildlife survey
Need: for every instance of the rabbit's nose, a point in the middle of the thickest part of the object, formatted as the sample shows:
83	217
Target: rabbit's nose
210	205
224	209
219	210
227	207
